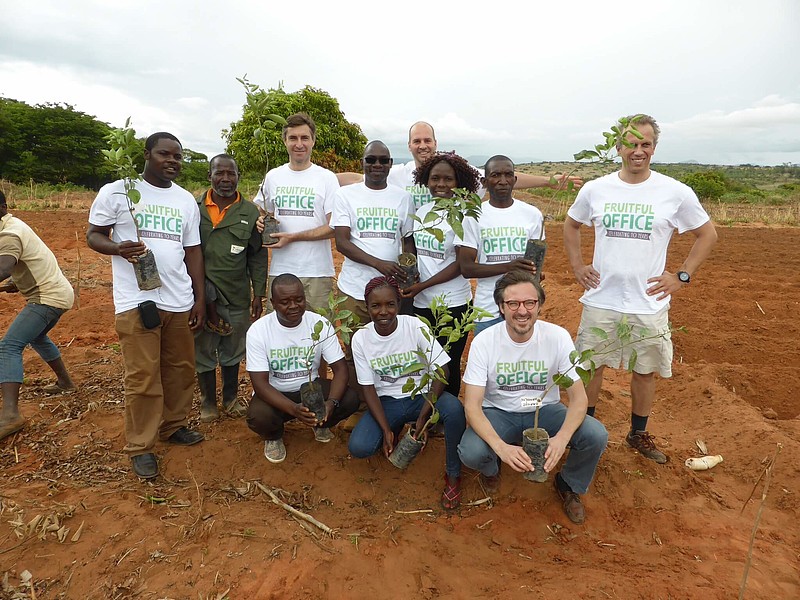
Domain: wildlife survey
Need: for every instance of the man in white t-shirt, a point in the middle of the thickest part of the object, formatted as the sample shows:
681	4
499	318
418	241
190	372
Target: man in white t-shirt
154	327
300	195
510	370
278	349
494	244
373	225
422	145
634	213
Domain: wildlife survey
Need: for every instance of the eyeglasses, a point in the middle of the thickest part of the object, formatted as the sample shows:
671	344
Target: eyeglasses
371	160
530	304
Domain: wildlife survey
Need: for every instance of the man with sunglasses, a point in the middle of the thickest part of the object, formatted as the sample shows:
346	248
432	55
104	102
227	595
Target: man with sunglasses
509	372
372	224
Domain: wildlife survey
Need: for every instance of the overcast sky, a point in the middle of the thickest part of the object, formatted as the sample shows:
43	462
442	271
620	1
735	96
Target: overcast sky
534	80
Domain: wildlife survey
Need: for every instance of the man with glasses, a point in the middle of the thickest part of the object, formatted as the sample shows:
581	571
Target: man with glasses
495	243
509	372
373	225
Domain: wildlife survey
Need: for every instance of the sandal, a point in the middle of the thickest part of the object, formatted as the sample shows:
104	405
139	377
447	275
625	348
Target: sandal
451	495
222	328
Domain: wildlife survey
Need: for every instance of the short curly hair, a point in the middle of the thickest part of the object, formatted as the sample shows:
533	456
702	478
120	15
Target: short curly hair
467	176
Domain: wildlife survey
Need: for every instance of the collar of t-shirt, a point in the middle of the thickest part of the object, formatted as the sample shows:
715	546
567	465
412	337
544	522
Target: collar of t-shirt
214	213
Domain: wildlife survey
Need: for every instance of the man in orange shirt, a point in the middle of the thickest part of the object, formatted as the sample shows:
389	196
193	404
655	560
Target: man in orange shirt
236	273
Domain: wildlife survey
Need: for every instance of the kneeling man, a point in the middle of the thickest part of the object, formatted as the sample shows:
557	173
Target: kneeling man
277	349
509	365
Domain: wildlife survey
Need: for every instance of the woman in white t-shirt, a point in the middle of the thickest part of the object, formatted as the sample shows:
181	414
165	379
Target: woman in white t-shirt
439	272
382	352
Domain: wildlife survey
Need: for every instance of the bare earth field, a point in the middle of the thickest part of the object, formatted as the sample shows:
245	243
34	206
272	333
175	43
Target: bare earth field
204	529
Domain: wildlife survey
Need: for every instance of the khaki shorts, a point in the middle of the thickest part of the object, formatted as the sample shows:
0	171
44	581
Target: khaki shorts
316	289
653	351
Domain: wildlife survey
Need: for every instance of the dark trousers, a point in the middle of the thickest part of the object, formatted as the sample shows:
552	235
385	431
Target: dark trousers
267	421
456	350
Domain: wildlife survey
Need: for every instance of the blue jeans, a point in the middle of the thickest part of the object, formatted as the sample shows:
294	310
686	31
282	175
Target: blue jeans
482	325
367	437
585	448
30	326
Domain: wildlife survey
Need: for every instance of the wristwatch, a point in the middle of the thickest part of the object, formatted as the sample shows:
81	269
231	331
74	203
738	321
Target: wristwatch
335	402
683	276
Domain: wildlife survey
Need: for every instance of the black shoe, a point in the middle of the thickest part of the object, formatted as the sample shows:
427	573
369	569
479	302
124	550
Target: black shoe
145	465
186	437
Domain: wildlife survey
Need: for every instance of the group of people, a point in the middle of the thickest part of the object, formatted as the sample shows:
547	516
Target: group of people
215	272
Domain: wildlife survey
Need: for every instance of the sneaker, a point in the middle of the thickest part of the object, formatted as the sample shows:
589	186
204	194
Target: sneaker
323	434
645	444
571	503
274	451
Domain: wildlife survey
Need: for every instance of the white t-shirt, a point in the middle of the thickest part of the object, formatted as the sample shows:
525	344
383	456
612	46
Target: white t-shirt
380	360
512	373
402	175
283	351
169	221
378	222
633	225
300	200
500	235
432	257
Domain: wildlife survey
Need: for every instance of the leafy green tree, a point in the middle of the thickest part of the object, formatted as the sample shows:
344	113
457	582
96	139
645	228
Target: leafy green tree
51	143
339	143
708	185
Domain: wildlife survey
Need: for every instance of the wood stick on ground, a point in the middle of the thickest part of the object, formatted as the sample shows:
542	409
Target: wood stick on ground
759	308
768	474
414	512
292	510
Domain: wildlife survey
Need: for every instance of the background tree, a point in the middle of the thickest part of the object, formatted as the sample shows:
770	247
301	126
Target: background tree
51	143
339	144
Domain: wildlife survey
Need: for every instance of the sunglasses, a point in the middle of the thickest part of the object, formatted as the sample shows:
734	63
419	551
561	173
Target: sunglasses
371	160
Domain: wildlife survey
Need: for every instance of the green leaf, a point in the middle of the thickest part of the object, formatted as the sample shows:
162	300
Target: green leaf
584	374
409	386
454	337
434	418
458	228
562	381
413	368
574	357
601	333
134	195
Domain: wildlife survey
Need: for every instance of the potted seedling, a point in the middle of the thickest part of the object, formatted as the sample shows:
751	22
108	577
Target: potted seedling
343	323
535	439
443	325
120	157
535	251
260	109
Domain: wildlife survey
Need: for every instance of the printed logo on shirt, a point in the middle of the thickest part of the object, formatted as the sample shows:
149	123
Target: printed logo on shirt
391	368
288	363
428	245
377	222
294	201
420	194
628	220
160	222
521	375
503	244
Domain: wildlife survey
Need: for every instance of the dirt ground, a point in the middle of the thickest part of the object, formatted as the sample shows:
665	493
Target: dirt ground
205	529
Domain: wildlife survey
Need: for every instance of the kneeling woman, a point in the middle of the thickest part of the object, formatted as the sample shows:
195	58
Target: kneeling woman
381	351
